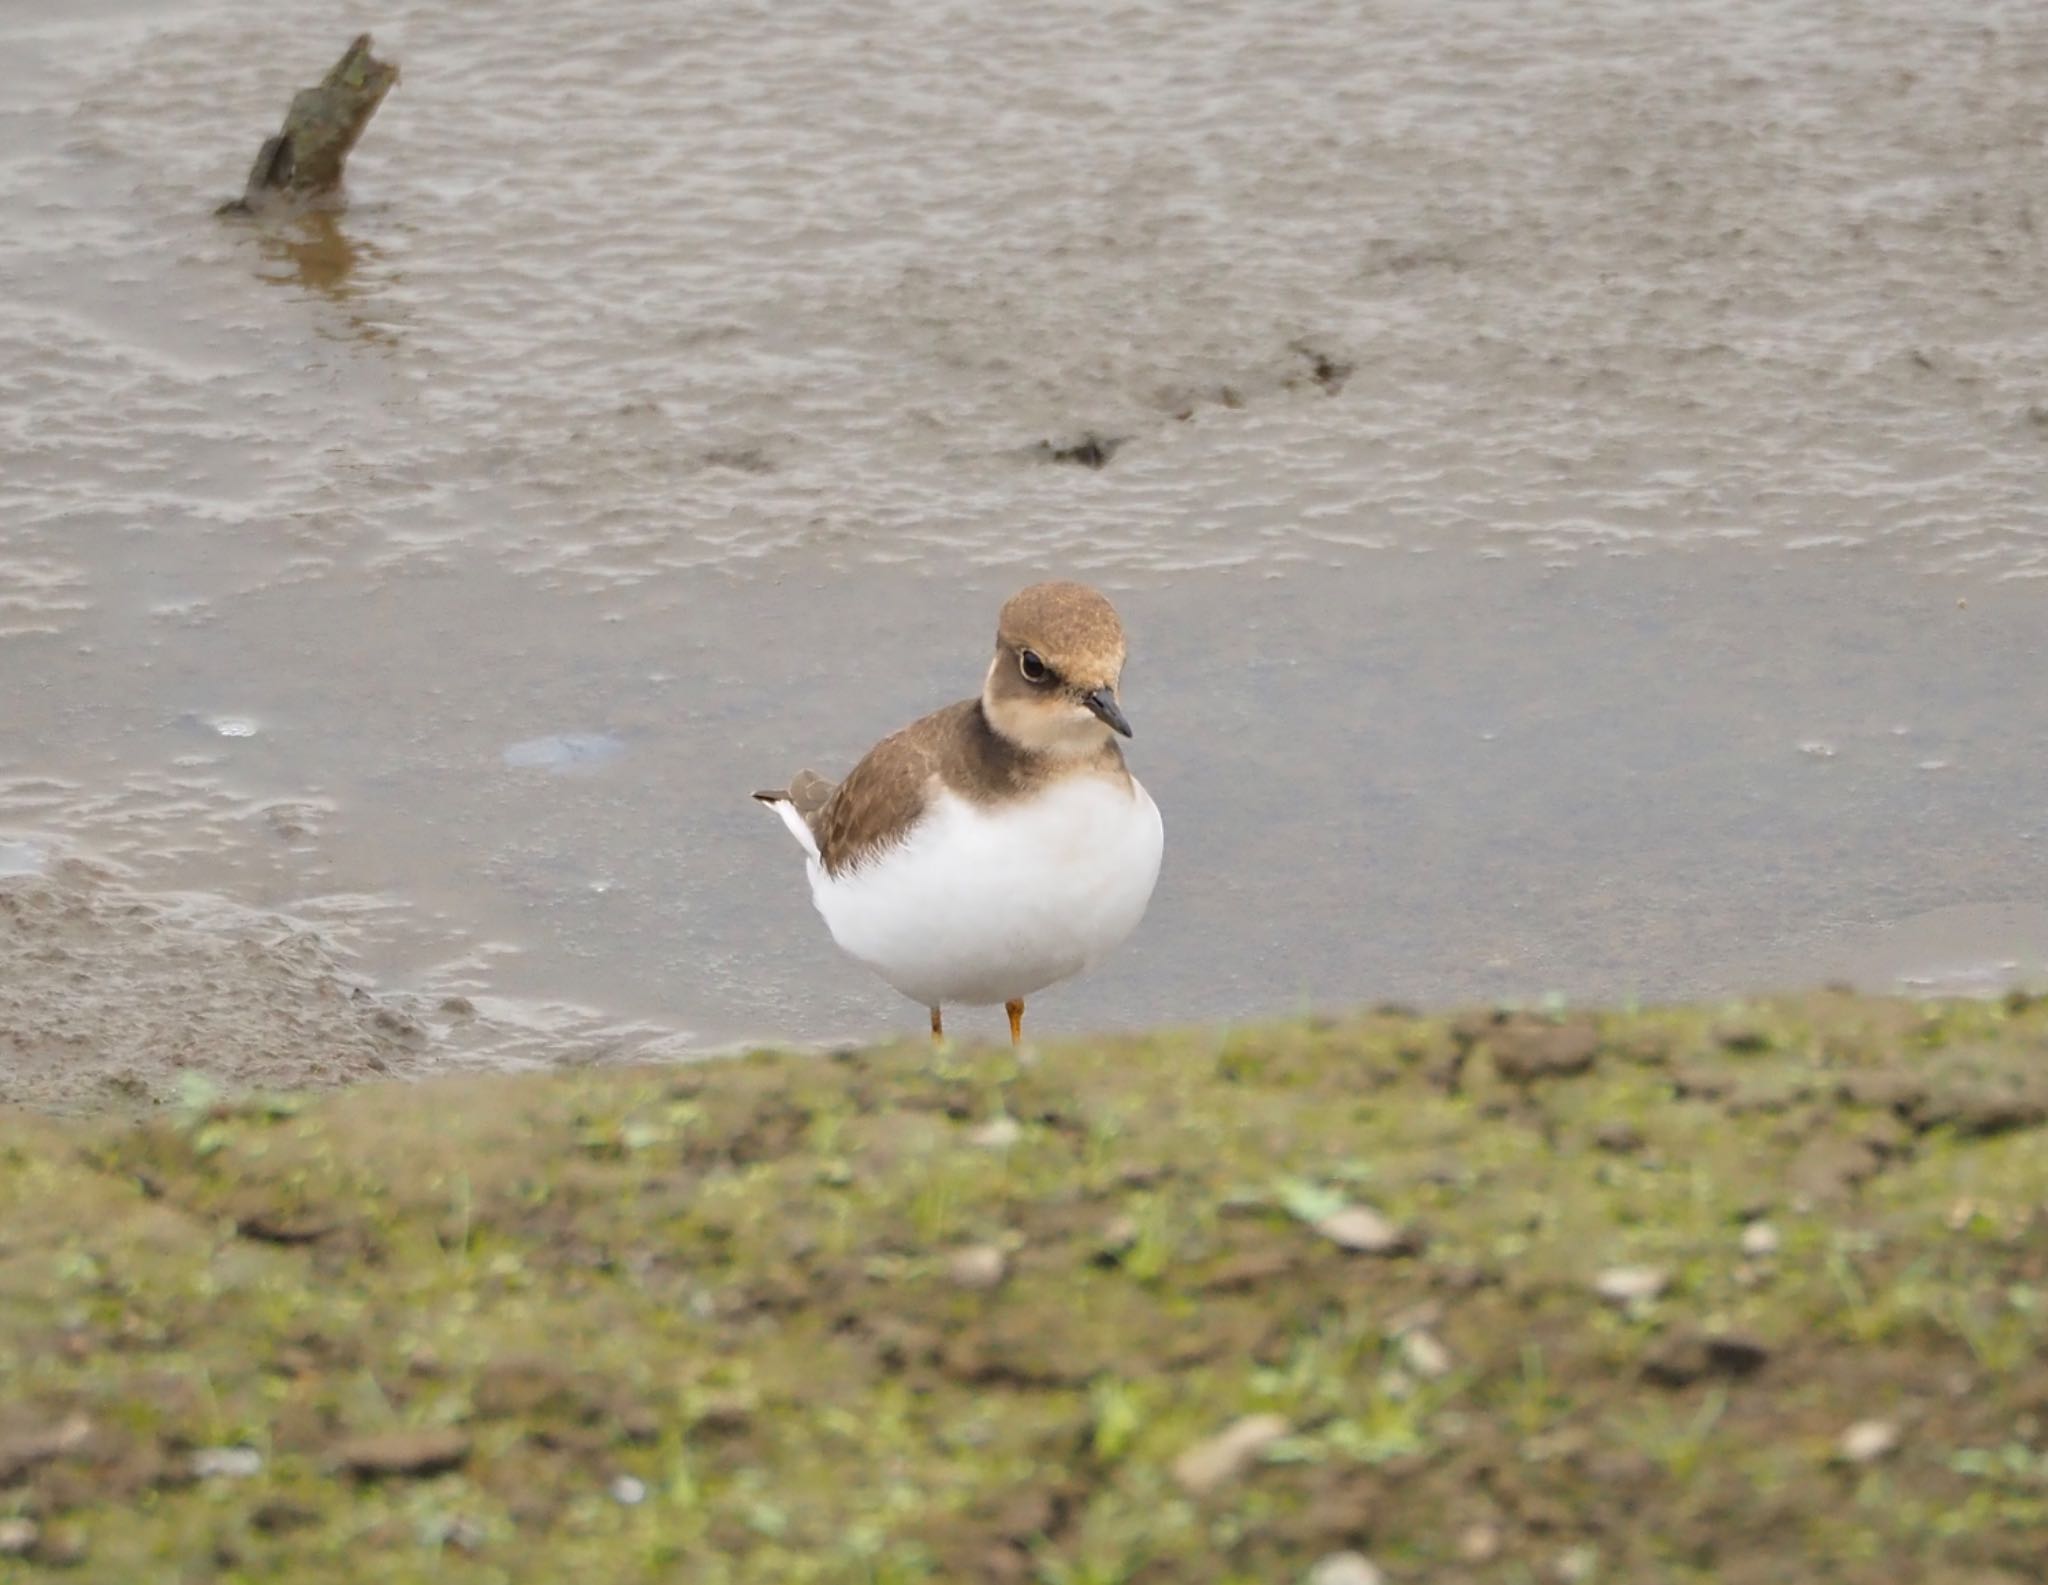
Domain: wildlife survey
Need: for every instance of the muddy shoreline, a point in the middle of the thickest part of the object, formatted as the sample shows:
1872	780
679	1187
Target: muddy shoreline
117	998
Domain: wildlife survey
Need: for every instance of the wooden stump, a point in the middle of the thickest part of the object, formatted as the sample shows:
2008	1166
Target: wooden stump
302	164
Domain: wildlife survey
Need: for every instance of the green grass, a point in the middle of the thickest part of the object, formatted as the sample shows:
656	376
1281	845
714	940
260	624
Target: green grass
701	1323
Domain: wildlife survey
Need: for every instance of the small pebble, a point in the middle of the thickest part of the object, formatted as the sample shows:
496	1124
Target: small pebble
1225	1456
1425	1356
1759	1239
1577	1565
1631	1284
981	1268
1363	1231
17	1536
1867	1441
1479	1543
1345	1568
411	1454
626	1489
998	1133
1687	1354
226	1463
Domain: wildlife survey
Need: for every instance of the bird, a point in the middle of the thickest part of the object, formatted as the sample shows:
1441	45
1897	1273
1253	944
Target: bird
999	845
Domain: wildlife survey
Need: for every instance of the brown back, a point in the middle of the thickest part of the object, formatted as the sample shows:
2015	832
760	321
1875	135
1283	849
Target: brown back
886	794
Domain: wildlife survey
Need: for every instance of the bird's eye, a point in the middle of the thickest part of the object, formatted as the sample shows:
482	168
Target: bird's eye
1034	669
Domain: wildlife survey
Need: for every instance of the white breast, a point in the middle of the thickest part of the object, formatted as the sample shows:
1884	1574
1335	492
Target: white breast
982	905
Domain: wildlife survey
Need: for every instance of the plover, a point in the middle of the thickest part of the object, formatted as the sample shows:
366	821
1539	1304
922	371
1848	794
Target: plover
999	845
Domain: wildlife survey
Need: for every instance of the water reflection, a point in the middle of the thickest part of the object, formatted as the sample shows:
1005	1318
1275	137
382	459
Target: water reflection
316	251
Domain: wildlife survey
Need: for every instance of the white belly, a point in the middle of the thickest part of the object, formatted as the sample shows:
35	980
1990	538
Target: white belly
984	905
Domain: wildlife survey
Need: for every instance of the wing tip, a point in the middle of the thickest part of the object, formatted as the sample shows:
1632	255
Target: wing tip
787	812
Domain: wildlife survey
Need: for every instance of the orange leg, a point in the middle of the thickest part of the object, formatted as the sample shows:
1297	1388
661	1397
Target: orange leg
1016	1011
938	1029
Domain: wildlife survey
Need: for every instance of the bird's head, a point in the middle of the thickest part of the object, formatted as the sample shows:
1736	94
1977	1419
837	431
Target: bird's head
1051	688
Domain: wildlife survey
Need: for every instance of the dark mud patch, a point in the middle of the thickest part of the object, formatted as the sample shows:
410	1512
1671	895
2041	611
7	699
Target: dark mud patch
1307	363
740	459
1323	368
1088	450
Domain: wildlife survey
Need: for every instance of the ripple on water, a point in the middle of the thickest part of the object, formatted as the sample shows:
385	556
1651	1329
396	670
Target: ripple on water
1564	279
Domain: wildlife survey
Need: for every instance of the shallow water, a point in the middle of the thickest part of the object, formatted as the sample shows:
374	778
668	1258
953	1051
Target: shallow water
1578	502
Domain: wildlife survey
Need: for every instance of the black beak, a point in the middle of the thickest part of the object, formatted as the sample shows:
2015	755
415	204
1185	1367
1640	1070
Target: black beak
1103	702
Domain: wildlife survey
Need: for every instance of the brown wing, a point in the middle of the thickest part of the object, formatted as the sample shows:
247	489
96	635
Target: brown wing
883	796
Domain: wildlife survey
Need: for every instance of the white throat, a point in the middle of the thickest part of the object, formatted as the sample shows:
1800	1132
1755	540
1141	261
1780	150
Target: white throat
1054	726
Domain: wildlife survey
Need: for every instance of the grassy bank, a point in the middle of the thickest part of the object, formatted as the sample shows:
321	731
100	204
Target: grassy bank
1741	1294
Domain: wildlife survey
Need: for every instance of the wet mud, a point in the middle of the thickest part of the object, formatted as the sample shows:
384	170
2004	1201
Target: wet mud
1573	473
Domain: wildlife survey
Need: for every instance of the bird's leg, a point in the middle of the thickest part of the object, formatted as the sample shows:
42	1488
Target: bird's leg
938	1029
1016	1011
